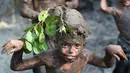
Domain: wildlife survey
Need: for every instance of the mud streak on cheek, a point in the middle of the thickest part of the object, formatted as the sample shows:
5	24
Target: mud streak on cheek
79	50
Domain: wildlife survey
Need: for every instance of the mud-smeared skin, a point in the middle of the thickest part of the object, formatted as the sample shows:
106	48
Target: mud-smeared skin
39	5
56	63
122	22
76	20
121	15
51	59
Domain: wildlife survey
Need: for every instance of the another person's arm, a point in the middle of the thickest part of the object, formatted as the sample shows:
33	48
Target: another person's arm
26	11
72	3
113	52
109	10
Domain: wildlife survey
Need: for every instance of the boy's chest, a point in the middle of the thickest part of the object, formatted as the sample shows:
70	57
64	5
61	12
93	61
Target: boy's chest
62	66
59	68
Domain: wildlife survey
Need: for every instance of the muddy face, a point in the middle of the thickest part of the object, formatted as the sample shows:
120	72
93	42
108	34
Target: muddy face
70	51
71	47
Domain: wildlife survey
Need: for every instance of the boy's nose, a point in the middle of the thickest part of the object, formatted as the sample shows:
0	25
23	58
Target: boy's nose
70	51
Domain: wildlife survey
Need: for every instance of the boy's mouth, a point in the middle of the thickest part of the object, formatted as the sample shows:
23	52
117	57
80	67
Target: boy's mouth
69	56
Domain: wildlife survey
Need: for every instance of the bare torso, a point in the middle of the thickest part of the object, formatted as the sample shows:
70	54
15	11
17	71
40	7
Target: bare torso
44	4
39	5
56	63
123	23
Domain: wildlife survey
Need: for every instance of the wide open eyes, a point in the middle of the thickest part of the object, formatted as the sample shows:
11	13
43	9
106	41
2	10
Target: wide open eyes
76	46
65	47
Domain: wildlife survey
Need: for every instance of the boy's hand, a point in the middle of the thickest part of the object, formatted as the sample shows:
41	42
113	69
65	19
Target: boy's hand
12	46
116	51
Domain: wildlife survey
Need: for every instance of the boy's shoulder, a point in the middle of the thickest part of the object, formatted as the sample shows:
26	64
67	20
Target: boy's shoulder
47	57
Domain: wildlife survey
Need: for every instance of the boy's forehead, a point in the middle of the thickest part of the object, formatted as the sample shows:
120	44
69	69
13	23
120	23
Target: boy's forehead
67	40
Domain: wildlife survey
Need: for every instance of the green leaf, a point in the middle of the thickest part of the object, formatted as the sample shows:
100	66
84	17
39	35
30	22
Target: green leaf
51	30
36	39
41	38
27	47
36	48
34	35
42	16
43	46
38	29
51	20
27	29
36	32
68	28
29	37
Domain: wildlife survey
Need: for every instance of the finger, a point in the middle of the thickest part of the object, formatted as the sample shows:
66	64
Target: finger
12	51
117	57
7	47
6	44
7	51
123	55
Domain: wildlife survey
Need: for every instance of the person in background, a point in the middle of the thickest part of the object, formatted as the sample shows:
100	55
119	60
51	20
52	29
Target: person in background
121	14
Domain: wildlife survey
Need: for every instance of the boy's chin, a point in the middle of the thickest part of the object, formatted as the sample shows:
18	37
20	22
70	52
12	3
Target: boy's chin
70	59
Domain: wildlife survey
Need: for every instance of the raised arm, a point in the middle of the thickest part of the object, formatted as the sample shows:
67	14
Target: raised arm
109	10
113	52
17	63
26	11
72	3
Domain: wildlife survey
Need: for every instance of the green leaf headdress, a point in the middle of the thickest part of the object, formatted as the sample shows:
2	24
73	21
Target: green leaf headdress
59	20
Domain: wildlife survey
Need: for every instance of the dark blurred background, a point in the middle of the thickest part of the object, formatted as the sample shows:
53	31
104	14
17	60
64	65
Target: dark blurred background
102	30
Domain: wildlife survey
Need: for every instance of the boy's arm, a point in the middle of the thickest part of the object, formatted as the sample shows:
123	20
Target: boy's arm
113	52
105	62
26	11
109	10
17	63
